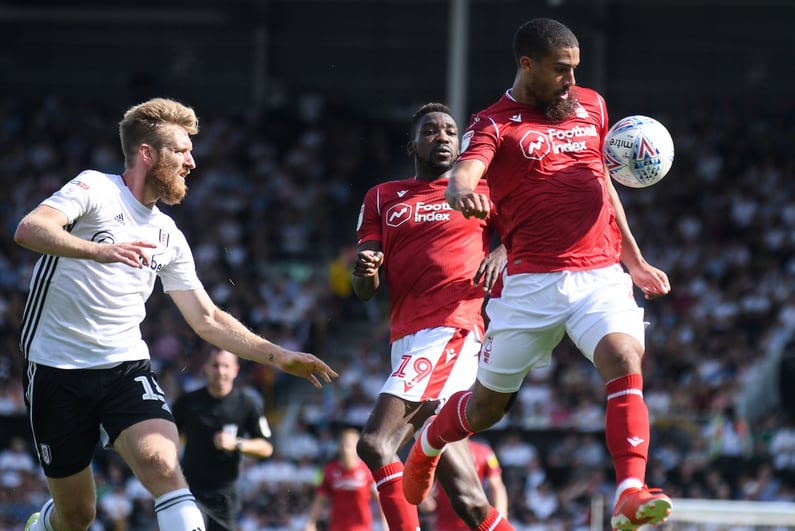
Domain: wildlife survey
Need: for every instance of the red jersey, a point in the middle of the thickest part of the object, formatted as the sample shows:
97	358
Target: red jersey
487	466
431	254
547	181
350	492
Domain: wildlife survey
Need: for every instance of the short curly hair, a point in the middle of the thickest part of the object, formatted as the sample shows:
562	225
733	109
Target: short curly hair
427	109
537	38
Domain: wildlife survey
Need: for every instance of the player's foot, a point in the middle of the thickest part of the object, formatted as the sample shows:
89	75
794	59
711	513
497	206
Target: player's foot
418	472
31	520
637	507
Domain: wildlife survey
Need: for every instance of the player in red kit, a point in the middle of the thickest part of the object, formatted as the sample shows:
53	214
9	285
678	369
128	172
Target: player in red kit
490	475
540	149
437	267
348	489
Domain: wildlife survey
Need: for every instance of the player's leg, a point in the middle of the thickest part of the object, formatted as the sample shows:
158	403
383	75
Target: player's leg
450	425
138	424
391	424
526	323
59	404
426	367
72	505
459	478
150	449
609	330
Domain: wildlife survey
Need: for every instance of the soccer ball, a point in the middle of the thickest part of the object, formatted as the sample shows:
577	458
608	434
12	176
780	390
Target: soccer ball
638	151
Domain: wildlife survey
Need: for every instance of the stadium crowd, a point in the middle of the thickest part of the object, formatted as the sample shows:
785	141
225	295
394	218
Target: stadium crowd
271	215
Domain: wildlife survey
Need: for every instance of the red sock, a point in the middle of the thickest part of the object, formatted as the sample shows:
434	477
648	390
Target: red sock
495	522
450	424
627	427
399	514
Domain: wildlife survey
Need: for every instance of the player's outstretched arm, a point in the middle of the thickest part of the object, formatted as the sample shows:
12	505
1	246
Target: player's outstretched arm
42	230
223	330
460	193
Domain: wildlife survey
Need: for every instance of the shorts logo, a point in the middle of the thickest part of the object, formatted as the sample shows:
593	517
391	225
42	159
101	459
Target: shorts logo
45	454
485	352
398	214
450	354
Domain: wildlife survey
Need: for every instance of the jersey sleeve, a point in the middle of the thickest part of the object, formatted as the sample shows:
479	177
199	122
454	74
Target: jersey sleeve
255	423
324	489
368	227
480	140
492	464
79	195
180	274
605	125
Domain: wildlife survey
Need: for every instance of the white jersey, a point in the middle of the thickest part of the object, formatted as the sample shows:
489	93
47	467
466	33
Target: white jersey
84	314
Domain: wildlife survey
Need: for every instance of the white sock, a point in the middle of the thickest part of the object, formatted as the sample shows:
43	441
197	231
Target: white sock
626	484
177	511
43	523
427	449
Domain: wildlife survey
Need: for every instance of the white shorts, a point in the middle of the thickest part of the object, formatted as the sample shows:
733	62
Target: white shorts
432	364
528	321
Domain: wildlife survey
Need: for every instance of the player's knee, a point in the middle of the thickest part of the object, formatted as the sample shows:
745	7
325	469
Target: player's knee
159	472
615	358
484	414
372	449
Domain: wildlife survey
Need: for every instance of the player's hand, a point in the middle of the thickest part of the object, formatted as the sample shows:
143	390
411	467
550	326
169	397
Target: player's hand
468	202
134	254
490	268
305	366
652	282
367	263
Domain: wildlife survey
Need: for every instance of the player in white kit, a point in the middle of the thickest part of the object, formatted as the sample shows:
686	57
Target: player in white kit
103	242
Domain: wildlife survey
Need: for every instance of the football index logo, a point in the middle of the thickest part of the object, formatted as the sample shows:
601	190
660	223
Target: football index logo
398	214
535	145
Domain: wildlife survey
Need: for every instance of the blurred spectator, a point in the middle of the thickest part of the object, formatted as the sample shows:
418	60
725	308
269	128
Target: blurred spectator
346	497
730	444
782	449
17	457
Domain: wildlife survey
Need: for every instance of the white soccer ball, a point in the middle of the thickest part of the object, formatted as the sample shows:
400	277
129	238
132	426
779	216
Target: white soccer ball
638	151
